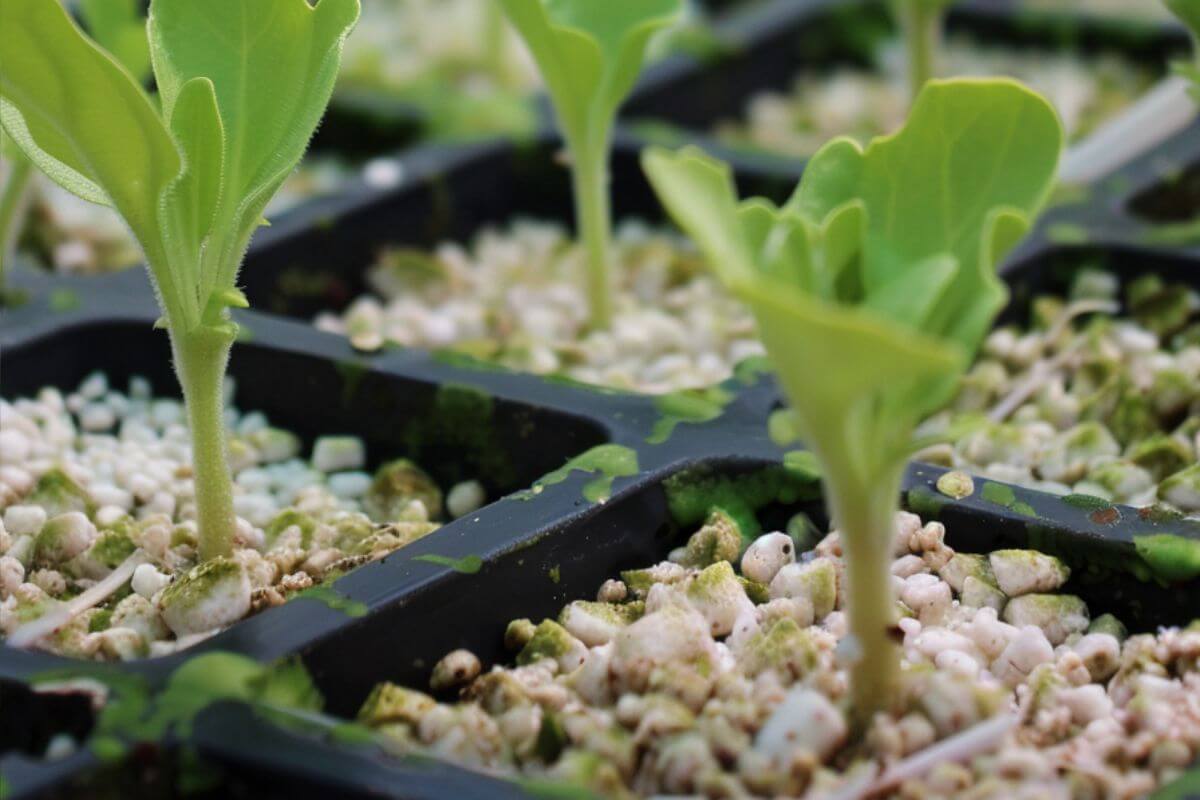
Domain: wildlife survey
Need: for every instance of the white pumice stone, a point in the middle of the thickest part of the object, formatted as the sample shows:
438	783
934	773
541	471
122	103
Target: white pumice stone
12	575
1057	615
1019	572
465	497
805	722
336	453
767	555
94	386
14	447
1027	650
24	520
352	485
97	417
210	596
147	580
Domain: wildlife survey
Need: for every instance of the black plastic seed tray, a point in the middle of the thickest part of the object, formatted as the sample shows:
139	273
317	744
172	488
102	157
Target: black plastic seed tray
537	553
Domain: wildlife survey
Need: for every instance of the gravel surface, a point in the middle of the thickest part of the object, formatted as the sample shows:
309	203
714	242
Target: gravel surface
96	496
865	103
515	296
697	677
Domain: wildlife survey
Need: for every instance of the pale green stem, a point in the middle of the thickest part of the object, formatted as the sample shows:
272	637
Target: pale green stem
200	360
12	206
865	517
592	218
921	22
494	42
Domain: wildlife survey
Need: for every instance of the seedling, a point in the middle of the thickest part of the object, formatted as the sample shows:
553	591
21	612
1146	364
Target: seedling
589	54
242	87
921	21
1188	12
118	27
873	287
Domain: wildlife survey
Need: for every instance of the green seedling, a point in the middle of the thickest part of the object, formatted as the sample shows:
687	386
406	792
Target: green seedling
1188	12
117	26
872	288
921	23
242	87
589	54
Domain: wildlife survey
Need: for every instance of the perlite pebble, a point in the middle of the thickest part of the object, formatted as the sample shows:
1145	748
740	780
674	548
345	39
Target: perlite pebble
1019	572
804	721
767	555
24	520
336	453
465	497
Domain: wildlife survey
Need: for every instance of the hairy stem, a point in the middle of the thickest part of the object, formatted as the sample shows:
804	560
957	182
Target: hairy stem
200	359
921	22
12	206
592	214
865	516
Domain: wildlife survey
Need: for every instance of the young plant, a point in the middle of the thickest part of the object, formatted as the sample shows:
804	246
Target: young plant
590	53
242	86
118	27
921	22
1188	12
872	287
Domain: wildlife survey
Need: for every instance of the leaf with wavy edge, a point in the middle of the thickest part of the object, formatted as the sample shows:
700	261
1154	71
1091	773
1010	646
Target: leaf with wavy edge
589	54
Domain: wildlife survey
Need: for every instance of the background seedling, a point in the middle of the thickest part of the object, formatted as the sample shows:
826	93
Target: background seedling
872	288
242	87
1188	12
921	22
589	54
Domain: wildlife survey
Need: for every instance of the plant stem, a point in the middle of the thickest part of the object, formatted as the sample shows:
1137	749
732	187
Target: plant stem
865	516
494	42
592	214
921	21
200	359
12	205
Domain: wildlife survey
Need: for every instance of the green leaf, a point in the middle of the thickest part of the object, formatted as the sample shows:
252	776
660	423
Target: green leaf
974	162
80	118
589	54
1188	12
272	65
118	27
873	285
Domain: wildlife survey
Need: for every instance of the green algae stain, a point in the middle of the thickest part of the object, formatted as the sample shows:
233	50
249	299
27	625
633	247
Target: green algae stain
62	300
610	461
335	600
691	406
467	565
1170	557
749	370
462	357
463	419
1001	495
694	493
1086	502
1185	787
352	372
803	464
1067	233
926	504
555	574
